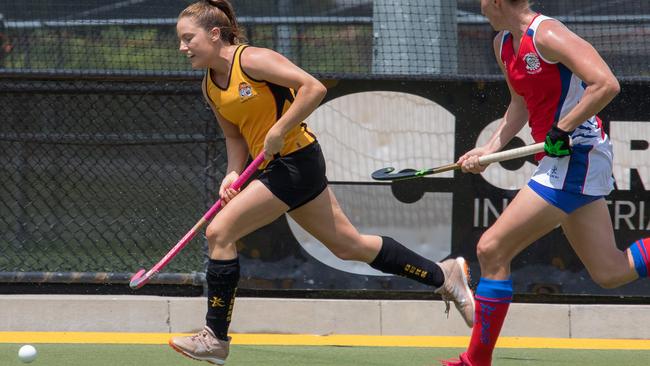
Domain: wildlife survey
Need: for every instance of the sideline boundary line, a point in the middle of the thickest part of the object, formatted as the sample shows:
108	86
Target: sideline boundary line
327	340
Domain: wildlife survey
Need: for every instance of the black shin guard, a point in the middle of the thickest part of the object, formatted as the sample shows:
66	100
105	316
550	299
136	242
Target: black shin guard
395	258
222	278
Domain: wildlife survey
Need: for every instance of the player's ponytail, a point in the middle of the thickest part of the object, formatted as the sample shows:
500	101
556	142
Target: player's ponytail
232	33
217	13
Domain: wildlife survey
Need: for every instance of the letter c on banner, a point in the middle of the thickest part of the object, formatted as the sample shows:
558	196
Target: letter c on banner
362	132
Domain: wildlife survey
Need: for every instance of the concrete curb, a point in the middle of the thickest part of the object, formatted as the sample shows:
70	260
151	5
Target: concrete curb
99	313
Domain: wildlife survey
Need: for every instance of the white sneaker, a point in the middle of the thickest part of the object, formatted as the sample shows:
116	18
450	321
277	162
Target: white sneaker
203	346
456	288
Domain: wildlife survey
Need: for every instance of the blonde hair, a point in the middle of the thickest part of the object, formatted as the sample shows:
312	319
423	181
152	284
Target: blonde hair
216	13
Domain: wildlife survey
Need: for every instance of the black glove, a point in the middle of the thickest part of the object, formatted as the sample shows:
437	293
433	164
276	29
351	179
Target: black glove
558	142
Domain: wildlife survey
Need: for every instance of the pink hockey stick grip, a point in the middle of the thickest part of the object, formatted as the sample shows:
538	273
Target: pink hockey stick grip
243	177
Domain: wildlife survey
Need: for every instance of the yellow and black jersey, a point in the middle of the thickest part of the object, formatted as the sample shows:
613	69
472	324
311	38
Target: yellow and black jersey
254	106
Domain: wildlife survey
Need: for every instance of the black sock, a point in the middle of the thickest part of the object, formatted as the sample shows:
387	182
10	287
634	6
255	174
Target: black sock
222	278
395	258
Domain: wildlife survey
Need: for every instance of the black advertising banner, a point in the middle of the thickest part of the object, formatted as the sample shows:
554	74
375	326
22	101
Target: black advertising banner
364	125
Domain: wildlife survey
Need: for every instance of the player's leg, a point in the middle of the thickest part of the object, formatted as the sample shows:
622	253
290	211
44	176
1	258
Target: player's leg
325	220
527	218
590	232
254	207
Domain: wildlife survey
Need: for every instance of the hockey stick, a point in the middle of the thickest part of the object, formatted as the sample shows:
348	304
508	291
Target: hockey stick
387	173
141	278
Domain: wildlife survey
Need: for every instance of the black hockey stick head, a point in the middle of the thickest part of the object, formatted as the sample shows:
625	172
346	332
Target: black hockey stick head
386	174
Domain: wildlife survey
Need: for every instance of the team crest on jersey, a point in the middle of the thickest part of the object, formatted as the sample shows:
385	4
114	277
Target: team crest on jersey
245	91
533	66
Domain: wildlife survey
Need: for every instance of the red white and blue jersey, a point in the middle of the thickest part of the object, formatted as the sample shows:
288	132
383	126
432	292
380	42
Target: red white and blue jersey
550	91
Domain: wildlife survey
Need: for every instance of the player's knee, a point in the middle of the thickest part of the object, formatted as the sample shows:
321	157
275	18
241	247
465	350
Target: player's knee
216	237
488	250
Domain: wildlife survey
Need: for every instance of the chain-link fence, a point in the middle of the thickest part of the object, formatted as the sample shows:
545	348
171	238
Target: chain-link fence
343	38
107	151
103	176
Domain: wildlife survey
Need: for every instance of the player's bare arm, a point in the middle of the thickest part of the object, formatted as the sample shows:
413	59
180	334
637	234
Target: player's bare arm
270	66
237	150
557	43
515	116
512	122
235	145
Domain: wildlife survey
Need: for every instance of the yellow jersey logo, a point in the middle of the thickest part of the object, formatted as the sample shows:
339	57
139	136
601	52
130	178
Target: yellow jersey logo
246	91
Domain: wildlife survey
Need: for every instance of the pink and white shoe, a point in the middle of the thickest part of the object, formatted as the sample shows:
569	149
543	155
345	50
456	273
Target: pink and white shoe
203	346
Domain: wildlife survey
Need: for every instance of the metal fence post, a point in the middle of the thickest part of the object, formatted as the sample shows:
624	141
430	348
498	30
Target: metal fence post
407	40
